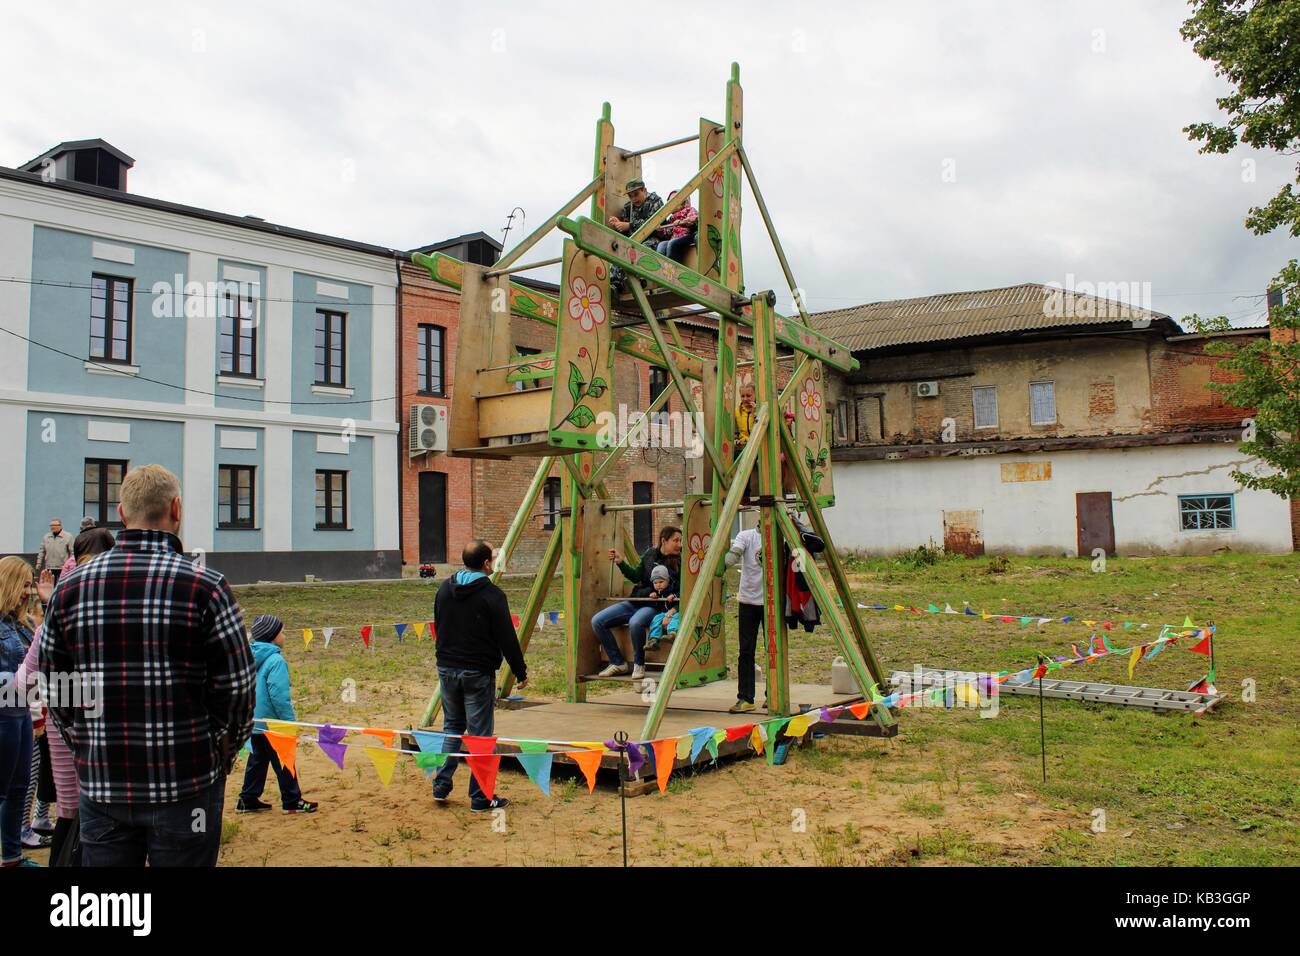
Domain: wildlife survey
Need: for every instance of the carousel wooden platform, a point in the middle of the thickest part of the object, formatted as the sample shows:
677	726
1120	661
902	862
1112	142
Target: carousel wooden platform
706	706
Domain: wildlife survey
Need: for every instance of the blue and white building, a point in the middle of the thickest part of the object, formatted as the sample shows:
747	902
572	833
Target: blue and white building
255	361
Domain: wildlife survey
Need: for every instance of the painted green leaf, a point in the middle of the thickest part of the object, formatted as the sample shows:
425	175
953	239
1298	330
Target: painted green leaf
596	388
575	382
582	416
689	279
702	651
817	479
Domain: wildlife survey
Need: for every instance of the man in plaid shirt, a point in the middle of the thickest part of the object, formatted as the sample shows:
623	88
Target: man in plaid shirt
162	642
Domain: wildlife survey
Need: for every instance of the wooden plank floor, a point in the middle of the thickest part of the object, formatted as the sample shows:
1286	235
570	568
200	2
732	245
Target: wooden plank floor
688	708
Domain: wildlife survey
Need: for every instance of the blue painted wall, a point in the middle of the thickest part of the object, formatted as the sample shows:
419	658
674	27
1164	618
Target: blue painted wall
55	469
359	464
357	371
62	265
232	396
239	539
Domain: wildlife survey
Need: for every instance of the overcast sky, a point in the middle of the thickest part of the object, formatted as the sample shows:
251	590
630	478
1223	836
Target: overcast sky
1058	123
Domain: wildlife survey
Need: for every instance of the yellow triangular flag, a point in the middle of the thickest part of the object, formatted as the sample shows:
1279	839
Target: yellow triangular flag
756	738
280	727
684	747
419	629
1133	659
587	744
799	725
985	615
383	759
968	694
307	635
899	607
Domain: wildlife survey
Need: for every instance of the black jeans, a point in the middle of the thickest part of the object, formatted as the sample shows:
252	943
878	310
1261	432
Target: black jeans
751	619
468	699
185	833
261	756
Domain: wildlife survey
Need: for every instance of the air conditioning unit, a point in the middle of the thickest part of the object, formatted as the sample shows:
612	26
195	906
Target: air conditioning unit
428	431
927	389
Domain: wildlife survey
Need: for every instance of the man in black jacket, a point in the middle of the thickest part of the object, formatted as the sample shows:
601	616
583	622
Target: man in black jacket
475	632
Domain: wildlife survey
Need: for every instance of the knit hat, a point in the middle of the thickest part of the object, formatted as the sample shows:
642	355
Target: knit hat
266	627
660	573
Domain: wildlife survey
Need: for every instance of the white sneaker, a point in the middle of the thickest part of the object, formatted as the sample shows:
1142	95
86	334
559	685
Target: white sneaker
638	672
614	670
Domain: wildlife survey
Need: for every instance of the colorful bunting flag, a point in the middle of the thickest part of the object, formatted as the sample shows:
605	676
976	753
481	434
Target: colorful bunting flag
538	768
400	629
430	762
484	761
328	632
1133	659
430	741
700	738
665	752
1203	645
387	736
307	636
384	761
329	739
419	630
365	634
589	762
286	748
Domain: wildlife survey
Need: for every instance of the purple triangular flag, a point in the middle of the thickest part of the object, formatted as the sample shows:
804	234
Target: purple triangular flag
328	739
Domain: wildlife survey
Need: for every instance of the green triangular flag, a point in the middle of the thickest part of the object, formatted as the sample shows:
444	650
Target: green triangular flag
532	746
538	768
773	728
1187	622
1025	620
427	762
1127	625
932	609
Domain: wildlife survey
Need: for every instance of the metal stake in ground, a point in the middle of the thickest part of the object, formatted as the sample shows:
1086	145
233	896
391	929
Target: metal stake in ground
1042	727
620	738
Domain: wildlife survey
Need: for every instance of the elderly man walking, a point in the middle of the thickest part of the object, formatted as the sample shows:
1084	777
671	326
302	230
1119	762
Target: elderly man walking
56	548
161	642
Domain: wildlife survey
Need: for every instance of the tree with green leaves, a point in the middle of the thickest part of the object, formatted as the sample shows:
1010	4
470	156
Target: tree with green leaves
1255	46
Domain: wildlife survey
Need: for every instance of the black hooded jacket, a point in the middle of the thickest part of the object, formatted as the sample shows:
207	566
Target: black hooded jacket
474	628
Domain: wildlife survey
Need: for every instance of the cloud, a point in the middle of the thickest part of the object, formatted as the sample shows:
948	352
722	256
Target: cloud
903	149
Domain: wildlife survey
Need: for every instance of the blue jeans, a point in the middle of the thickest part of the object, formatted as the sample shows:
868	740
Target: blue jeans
261	757
185	833
637	617
15	774
468	699
675	249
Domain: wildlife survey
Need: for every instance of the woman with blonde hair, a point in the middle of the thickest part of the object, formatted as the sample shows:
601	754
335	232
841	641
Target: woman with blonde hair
15	716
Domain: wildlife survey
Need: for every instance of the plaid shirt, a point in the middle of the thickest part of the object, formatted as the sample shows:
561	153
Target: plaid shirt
167	641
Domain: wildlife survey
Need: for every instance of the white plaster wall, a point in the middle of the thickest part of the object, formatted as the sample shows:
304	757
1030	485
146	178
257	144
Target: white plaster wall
277	489
15	297
884	507
198	504
13	478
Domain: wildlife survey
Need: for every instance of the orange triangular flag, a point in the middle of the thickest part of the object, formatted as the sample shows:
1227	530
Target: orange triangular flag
859	710
383	759
387	736
286	748
589	761
665	754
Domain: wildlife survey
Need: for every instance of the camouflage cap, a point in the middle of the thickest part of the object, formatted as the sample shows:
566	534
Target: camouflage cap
634	184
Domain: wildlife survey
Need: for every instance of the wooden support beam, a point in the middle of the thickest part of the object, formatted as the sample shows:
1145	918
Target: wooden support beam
663	212
533	606
640	260
709	567
769	487
795	292
676	375
534	304
840	627
832	556
655	149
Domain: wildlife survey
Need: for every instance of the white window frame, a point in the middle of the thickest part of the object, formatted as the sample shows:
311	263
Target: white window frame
975	405
1032	419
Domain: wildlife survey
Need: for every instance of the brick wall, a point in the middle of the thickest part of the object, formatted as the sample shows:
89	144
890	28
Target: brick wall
1181	398
426	302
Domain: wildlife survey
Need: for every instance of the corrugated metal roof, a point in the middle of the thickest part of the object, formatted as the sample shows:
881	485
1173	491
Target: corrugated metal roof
962	315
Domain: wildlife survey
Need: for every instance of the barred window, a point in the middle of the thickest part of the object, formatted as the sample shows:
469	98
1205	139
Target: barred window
1042	403
1207	512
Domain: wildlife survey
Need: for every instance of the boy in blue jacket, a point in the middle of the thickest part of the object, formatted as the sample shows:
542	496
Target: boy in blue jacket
274	703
